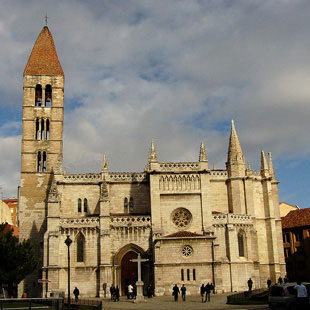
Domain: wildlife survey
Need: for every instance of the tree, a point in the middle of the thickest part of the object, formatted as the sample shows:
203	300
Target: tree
17	259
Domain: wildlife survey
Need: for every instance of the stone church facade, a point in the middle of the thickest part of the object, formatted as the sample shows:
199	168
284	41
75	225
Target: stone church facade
194	224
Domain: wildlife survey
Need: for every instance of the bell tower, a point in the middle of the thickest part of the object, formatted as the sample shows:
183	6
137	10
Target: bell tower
42	144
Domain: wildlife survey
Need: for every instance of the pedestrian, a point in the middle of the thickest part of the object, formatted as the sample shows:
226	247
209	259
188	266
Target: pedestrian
250	284
280	281
302	295
285	279
212	288
112	291
208	288
76	293
116	293
130	291
134	291
104	286
268	283
183	291
175	292
150	291
202	292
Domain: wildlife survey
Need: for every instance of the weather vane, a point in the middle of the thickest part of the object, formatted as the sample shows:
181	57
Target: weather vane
46	17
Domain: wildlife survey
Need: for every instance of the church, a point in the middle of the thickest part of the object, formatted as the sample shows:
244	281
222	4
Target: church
190	223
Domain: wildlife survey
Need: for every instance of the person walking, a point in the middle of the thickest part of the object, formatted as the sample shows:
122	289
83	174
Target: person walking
175	292
183	292
104	286
130	291
202	292
250	284
112	291
208	288
269	283
280	280
76	294
116	293
302	295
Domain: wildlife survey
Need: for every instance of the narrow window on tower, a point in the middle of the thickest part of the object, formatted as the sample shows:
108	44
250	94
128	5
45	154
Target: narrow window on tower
44	162
48	95
85	205
194	274
37	129
182	274
80	205
38	96
241	243
126	205
42	129
80	248
47	129
131	205
39	162
188	275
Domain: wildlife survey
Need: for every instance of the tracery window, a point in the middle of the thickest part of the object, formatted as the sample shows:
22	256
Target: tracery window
41	161
187	250
181	218
80	245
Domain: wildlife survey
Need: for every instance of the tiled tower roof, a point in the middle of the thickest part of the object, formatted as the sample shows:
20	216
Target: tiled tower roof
43	59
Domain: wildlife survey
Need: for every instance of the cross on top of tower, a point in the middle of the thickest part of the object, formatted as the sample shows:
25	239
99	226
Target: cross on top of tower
46	17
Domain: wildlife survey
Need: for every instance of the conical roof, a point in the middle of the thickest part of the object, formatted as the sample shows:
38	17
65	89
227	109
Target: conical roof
43	59
234	150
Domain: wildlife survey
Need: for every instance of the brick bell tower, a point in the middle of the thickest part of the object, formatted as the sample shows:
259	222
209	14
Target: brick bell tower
42	145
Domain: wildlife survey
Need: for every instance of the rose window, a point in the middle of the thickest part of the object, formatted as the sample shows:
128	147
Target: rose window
181	218
187	250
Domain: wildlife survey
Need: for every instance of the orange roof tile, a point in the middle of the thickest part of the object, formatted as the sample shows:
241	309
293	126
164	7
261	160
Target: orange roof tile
183	234
296	218
43	59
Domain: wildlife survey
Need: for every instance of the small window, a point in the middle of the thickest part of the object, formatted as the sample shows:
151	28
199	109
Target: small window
194	274
38	96
47	129
299	236
182	274
126	205
37	128
85	205
44	162
188	275
48	95
131	206
80	248
241	243
39	161
80	205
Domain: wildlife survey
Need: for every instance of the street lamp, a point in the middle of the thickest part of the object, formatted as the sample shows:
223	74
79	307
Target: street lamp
68	242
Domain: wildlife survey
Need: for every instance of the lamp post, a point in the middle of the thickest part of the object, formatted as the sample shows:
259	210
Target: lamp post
68	242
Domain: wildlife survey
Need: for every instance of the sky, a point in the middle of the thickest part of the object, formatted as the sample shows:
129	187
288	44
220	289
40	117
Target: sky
175	71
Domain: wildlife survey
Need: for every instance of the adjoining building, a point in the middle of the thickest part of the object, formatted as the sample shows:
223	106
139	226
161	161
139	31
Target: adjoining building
285	208
193	224
296	241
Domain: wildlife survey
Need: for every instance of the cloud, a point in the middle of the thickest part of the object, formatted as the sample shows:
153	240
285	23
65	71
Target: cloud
175	71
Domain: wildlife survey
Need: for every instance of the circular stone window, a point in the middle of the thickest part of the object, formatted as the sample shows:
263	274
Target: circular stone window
187	251
181	218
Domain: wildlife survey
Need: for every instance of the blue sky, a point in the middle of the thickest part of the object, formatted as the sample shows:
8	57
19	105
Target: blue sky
175	71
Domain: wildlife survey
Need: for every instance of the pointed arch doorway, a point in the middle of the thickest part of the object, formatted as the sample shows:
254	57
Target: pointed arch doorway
128	270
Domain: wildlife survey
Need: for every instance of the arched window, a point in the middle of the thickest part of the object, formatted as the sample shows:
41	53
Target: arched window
182	274
48	95
126	205
39	162
44	162
188	275
80	245
37	128
38	96
131	205
47	129
85	205
80	205
194	274
241	243
42	129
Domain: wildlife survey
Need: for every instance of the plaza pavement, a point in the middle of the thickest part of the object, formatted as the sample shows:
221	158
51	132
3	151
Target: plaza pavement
218	302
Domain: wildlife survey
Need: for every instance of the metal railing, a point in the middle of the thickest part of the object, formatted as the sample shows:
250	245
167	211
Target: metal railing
31	303
85	302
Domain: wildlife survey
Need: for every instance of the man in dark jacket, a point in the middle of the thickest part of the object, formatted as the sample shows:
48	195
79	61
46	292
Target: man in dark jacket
176	292
208	288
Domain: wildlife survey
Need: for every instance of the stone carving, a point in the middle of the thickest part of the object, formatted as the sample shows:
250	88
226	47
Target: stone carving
131	220
179	182
53	195
181	218
187	251
182	166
